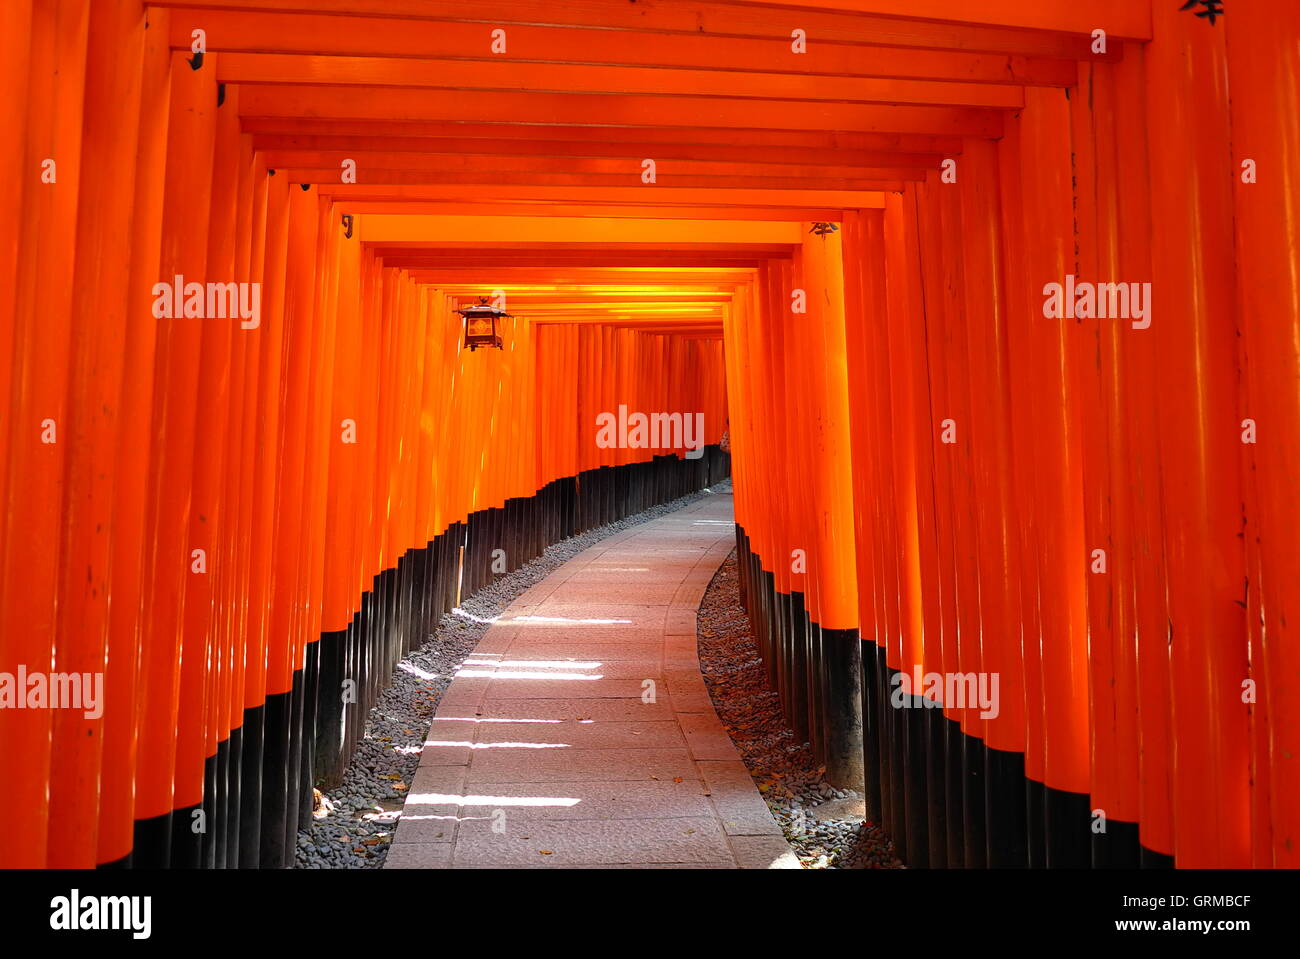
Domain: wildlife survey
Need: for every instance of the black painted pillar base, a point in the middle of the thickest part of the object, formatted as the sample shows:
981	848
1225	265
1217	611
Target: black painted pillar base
871	759
1117	847
944	807
1156	860
187	840
152	842
842	667
275	781
250	789
918	791
1068	820
234	800
329	754
974	824
1006	816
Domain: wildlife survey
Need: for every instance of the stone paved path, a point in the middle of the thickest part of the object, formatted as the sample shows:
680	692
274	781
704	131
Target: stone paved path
580	732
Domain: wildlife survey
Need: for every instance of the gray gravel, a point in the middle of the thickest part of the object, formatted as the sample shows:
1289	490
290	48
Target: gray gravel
354	823
825	825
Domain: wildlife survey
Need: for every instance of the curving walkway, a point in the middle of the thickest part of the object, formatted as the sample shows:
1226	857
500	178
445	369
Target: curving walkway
580	732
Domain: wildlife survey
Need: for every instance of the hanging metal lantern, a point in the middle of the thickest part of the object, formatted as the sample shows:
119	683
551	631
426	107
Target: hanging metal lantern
481	324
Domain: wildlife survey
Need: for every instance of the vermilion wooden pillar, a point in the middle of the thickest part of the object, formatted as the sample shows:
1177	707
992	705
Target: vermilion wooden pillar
1264	80
114	43
186	206
954	767
836	614
40	433
270	337
1099	357
194	825
912	484
1198	372
15	178
1139	357
123	682
1061	557
999	553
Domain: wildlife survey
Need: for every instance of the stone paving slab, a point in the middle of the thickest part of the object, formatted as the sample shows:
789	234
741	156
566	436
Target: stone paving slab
653	799
598	710
419	856
601	865
607	654
592	765
606	572
764	852
742	810
551	688
594	841
586	735
638	592
690	695
595	669
581	615
542	635
580	733
706	738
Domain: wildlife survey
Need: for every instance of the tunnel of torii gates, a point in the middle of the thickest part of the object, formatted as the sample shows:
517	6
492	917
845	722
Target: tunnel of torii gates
831	227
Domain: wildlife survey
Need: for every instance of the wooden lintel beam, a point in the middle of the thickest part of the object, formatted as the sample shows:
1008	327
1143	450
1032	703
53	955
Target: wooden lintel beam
663	211
604	110
959	28
514	76
447	154
736	139
229	31
834	199
667	181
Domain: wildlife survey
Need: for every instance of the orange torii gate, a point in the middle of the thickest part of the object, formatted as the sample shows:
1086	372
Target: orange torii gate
1025	575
